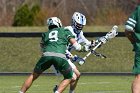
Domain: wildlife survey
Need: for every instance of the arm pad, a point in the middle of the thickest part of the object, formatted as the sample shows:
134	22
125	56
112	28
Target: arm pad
77	46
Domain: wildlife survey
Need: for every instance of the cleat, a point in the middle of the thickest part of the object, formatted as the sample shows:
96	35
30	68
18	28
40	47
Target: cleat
55	88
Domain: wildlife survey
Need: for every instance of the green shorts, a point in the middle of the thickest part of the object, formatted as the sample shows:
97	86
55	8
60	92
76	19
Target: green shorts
59	63
136	67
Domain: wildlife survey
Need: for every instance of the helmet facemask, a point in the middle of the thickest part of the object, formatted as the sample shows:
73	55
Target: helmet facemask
78	26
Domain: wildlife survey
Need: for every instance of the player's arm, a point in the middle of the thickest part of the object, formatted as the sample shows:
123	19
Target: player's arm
42	40
42	43
93	43
130	26
76	45
129	35
73	42
84	39
88	43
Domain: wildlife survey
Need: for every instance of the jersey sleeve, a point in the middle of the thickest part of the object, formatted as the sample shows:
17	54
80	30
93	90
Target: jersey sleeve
83	39
132	20
42	41
42	38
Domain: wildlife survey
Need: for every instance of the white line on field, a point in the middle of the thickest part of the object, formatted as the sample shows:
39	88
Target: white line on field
84	83
107	91
20	86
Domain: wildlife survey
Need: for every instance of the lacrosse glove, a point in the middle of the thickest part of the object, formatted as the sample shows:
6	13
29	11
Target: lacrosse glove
75	58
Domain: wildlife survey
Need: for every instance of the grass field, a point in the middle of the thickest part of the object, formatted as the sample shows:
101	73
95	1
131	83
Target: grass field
44	28
21	54
87	84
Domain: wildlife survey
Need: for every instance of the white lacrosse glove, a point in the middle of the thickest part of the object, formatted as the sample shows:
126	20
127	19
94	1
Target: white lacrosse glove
86	48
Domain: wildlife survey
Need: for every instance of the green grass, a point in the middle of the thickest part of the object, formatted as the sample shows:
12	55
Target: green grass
101	28
21	54
87	84
44	28
23	29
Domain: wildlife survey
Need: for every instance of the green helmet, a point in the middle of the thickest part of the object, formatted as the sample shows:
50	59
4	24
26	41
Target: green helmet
54	22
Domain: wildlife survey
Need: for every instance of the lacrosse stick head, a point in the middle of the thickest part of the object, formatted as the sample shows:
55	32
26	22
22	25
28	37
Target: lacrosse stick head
112	33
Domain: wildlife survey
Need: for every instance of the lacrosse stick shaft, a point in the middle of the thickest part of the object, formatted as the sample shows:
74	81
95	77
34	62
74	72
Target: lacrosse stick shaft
93	50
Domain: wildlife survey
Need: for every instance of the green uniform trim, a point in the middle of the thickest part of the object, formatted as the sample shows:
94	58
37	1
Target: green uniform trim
55	54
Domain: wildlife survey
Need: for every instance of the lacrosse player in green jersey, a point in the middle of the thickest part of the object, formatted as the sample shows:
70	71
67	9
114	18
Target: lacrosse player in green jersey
132	31
54	44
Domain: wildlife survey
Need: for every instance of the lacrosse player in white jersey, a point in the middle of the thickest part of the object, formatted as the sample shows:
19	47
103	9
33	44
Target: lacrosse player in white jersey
78	22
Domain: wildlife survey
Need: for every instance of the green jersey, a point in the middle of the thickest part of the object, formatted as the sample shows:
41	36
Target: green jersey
56	40
133	23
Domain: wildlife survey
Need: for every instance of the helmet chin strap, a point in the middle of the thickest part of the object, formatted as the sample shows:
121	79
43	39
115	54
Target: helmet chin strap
76	31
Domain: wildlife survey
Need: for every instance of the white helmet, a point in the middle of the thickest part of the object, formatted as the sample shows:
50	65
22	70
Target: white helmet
78	21
54	21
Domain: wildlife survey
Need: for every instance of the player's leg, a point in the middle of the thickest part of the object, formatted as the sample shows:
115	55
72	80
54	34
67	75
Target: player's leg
41	66
136	71
73	84
63	66
28	82
136	84
74	77
64	83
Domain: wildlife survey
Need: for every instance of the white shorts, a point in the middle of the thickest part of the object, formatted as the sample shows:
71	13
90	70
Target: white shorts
71	64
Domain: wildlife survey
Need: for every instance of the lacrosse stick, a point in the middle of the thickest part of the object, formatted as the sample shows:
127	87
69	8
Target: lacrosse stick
98	54
105	38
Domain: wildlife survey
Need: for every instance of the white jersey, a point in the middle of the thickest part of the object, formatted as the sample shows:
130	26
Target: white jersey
80	38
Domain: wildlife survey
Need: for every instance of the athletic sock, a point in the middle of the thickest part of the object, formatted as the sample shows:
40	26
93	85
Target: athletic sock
56	92
71	91
20	92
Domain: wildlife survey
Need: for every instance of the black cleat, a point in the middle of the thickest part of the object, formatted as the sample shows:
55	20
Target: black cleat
55	88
